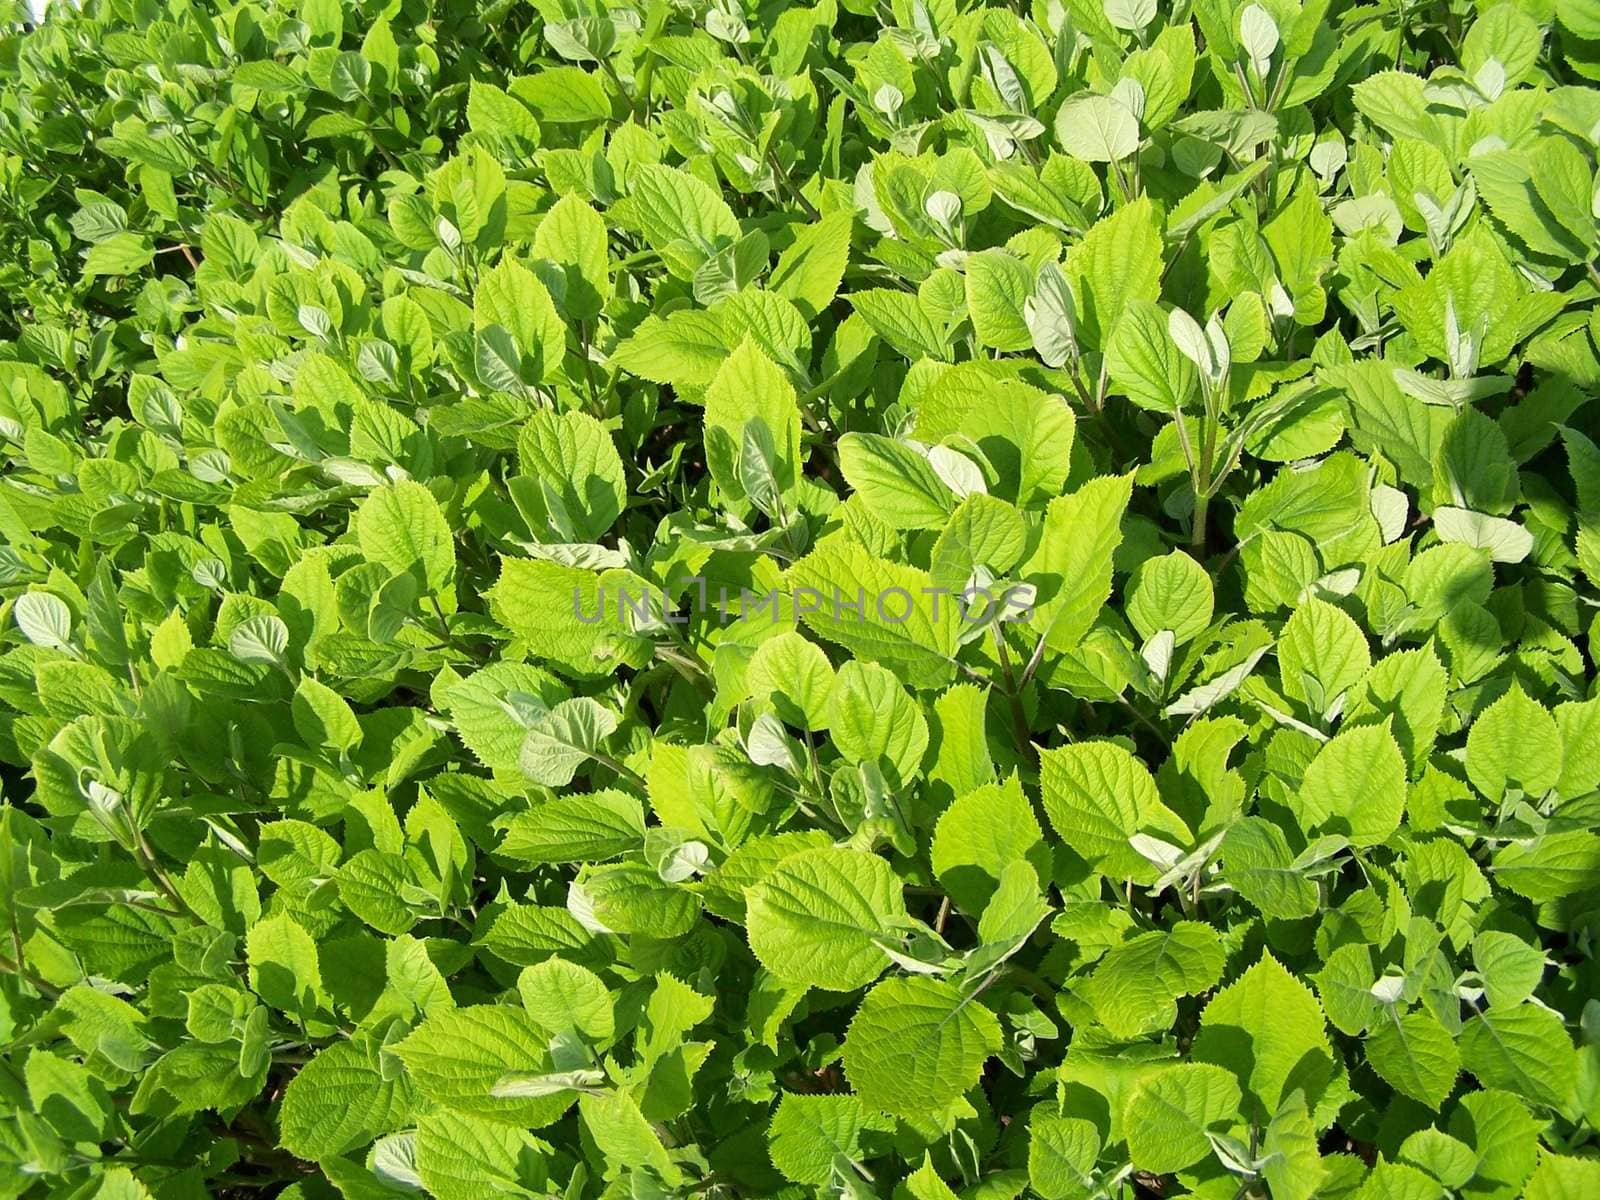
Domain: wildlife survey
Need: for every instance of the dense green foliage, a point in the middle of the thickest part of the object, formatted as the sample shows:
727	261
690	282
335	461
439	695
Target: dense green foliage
895	598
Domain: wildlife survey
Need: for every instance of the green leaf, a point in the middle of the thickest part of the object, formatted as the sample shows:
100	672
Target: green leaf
797	676
982	532
120	254
1415	1055
573	236
916	1044
998	286
511	297
1115	266
1562	1177
43	619
370	884
900	320
1509	967
1071	566
1171	1112
1293	1167
588	828
1260	866
1134	987
1409	689
686	348
1170	592
284	968
323	719
341	1099
632	897
808	1133
401	527
816	919
554	609
750	387
924	1183
682	218
562	740
484	708
875	721
1355	787
67	1096
623	1134
1514	743
1322	654
495	115
1524	1049
1024	434
981	834
1097	128
560	995
897	483
1146	365
1550	865
456	1057
1061	1156
571	455
1267	1029
879	610
563	95
1506	541
809	271
1503	1135
1098	796
460	1157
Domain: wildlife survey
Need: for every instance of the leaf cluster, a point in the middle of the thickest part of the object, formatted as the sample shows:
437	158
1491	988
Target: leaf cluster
882	598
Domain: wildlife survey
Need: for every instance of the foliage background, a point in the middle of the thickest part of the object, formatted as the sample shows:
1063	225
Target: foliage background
1252	345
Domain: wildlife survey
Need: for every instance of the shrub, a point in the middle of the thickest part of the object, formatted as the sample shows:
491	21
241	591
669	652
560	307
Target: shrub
904	599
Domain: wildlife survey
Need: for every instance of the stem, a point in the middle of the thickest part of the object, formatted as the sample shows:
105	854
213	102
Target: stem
687	650
1032	982
1197	524
628	773
16	939
814	807
21	971
1277	88
154	872
686	667
588	369
1244	82
1122	181
816	769
1019	719
1225	563
627	96
638	258
445	633
1202	483
1143	720
1183	245
782	177
1091	406
438	612
642	79
1034	660
1187	447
